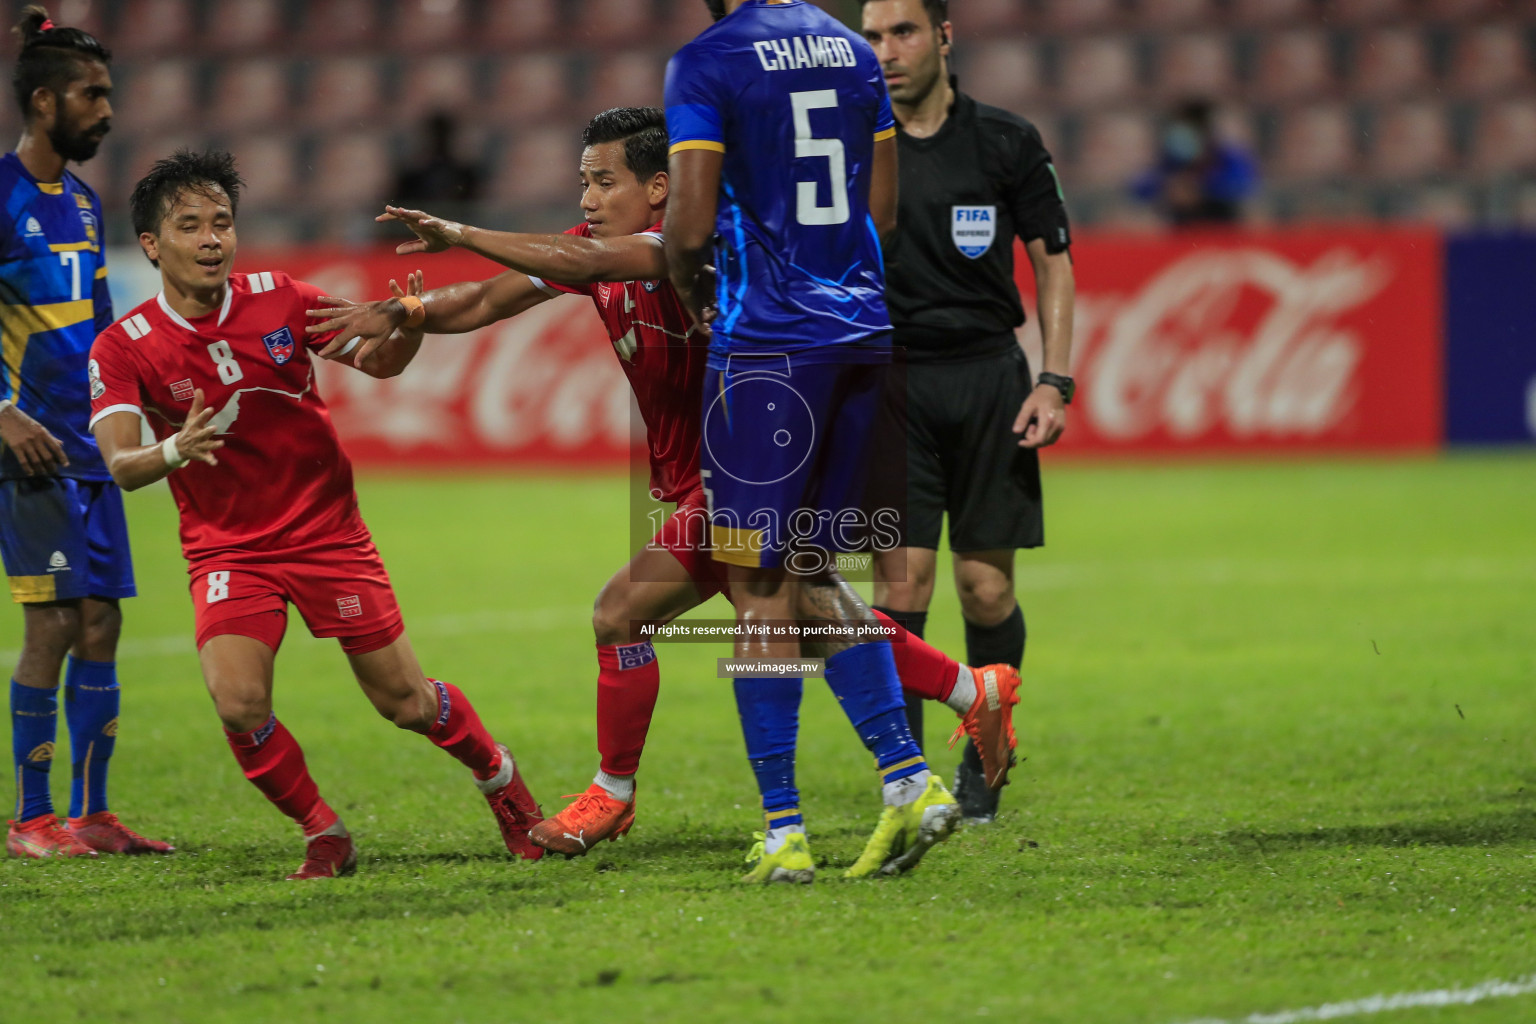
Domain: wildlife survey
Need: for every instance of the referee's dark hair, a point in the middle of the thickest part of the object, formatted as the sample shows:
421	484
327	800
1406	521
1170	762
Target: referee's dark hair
938	11
643	130
51	56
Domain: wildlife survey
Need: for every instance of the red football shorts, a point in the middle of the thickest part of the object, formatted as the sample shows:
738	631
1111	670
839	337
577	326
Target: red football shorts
686	535
340	592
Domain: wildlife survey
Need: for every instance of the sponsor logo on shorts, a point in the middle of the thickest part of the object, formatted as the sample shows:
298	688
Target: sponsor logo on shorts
42	752
350	607
57	562
93	370
182	390
636	655
279	344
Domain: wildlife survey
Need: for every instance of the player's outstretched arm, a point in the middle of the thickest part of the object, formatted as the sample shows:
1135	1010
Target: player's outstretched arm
133	465
690	227
569	259
1043	416
455	309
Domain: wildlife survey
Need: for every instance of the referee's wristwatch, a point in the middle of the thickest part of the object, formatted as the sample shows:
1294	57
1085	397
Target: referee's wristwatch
1066	385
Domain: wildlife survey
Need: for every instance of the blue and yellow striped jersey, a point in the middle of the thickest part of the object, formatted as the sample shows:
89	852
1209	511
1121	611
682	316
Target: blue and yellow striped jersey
53	302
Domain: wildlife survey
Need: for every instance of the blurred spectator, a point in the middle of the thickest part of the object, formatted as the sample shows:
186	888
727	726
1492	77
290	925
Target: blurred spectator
437	176
1200	178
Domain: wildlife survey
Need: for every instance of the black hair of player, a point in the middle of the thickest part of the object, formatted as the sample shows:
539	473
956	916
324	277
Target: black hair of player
50	58
937	11
643	131
716	8
183	171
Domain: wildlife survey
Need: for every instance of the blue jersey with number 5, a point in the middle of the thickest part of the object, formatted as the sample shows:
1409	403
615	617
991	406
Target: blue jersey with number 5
795	102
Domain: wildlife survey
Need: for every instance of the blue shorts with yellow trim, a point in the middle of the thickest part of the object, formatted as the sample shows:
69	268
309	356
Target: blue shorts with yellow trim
787	444
62	539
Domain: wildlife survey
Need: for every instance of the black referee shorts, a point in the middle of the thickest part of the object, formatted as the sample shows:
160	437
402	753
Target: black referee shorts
963	457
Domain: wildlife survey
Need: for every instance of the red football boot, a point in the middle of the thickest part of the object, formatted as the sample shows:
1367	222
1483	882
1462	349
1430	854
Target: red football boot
103	833
327	856
44	836
595	816
515	809
989	722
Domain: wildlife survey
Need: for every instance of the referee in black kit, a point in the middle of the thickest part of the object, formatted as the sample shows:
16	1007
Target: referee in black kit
972	178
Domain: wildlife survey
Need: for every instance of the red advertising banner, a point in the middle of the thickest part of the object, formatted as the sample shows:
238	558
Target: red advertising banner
1246	342
1198	343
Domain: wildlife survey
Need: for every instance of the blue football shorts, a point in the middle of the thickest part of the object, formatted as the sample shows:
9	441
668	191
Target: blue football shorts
62	539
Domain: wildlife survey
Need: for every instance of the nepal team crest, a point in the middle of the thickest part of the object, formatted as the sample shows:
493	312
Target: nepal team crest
972	228
280	344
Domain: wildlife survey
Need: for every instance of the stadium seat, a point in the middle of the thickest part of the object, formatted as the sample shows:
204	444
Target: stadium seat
1293	65
250	94
347	91
976	18
1490	60
155	95
438	83
1115	148
267	164
1389	63
351	172
512	27
430	24
626	78
146	27
1504	138
610	22
1314	143
243	26
541	167
1195	65
1410	140
1270	13
1454	12
684	20
1073	16
1097	71
1166	14
85	15
1346	13
1005	73
340	25
529	89
1441	206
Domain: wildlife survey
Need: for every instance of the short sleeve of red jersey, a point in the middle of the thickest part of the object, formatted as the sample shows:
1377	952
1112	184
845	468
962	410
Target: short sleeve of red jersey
113	376
308	298
558	287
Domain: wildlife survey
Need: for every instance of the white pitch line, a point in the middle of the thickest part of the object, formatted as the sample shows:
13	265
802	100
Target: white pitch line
1384	1003
428	625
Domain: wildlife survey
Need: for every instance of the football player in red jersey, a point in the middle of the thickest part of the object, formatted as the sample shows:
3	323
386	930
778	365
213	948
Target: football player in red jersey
219	366
616	257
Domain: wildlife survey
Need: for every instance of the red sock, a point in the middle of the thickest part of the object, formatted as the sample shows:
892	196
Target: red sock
628	679
271	758
924	669
458	730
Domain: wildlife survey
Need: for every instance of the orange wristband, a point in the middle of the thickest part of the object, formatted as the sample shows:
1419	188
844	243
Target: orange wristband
415	310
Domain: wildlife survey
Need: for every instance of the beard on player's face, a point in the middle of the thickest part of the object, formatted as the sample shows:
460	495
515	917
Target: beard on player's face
77	141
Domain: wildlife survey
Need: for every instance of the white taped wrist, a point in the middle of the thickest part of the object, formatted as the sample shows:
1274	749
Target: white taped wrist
172	454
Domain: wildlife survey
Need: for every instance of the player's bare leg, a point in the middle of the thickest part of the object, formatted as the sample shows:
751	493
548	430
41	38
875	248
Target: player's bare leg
238	672
49	630
654	588
400	691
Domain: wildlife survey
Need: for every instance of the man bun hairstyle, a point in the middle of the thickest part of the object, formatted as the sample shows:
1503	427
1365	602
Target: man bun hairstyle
643	131
183	171
51	56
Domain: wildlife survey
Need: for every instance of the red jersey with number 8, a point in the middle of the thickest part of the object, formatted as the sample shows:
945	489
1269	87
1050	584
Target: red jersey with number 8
283	485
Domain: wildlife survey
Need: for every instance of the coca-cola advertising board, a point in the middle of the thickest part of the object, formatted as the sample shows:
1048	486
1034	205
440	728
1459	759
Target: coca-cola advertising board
1246	342
1205	344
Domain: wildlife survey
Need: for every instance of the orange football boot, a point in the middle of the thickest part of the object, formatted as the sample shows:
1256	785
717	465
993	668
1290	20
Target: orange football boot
44	836
989	722
595	816
514	806
104	833
327	856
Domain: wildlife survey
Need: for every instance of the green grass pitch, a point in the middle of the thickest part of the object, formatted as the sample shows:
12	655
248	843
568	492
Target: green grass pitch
1279	727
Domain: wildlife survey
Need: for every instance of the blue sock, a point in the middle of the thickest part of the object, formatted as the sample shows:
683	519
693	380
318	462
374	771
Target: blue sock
90	706
34	726
863	678
770	723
